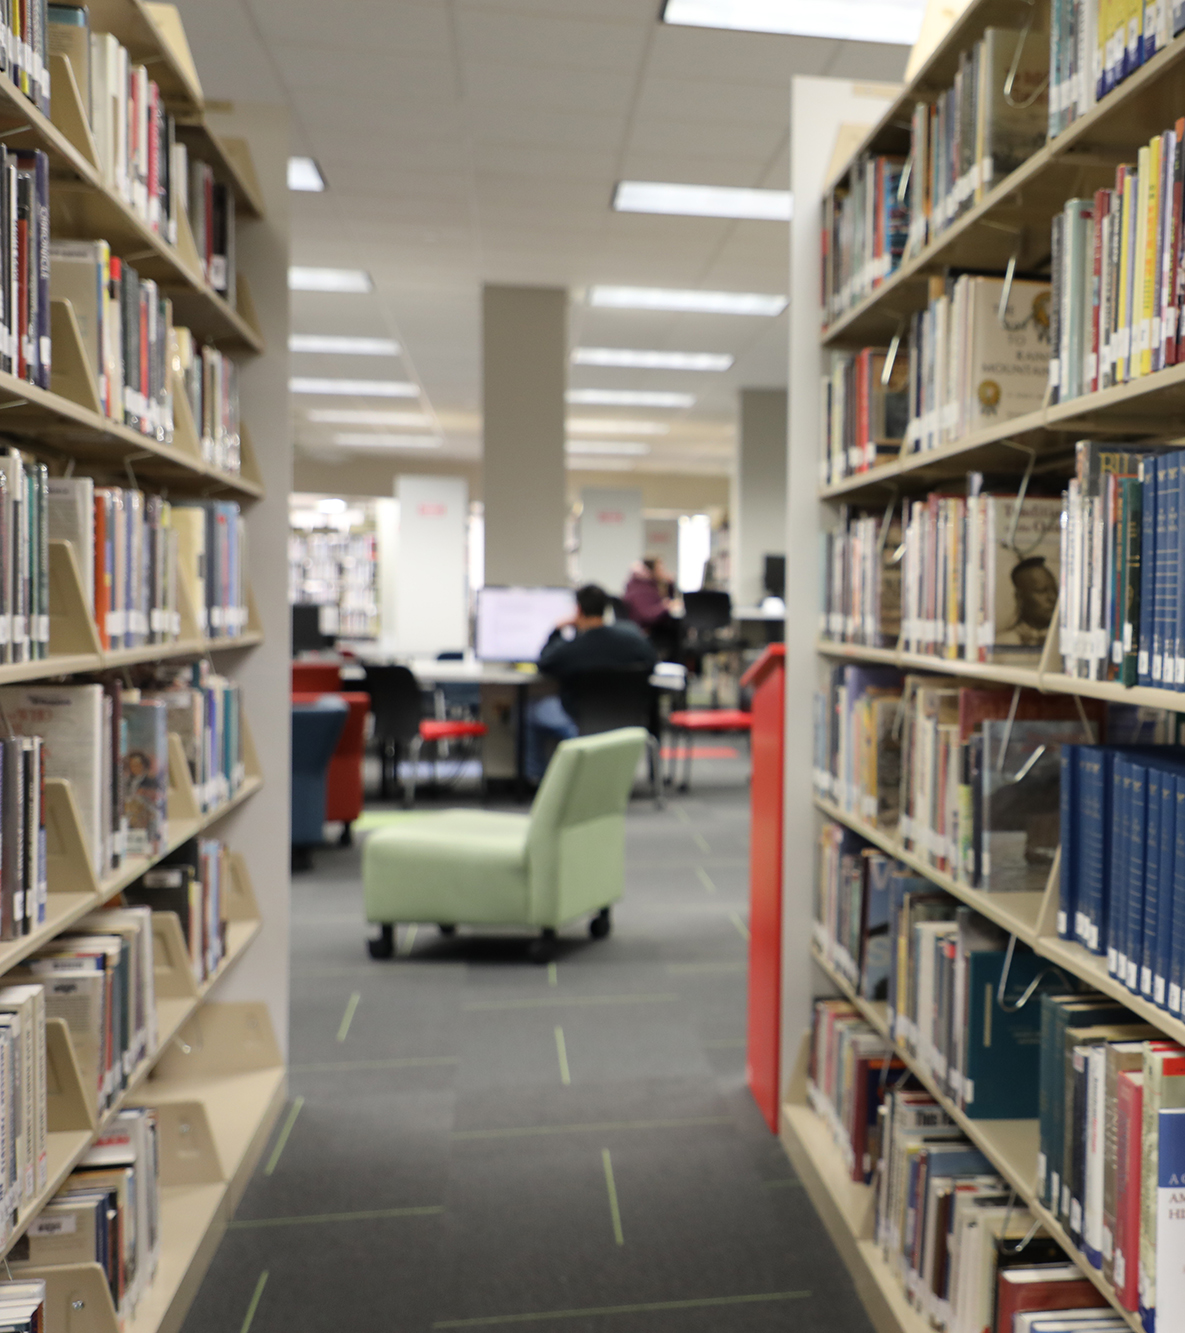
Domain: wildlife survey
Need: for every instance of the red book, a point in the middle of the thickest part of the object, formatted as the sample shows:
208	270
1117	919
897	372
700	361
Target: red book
1045	1287
1129	1113
102	573
154	132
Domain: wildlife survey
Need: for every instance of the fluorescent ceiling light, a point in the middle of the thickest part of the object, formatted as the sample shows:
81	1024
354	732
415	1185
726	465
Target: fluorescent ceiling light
629	398
607	448
620	356
354	388
304	174
328	342
346	416
703	201
686	302
575	462
897	22
360	440
353	280
611	426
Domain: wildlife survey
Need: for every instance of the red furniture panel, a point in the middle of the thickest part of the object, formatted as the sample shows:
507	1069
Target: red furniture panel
343	790
316	677
710	719
767	679
443	729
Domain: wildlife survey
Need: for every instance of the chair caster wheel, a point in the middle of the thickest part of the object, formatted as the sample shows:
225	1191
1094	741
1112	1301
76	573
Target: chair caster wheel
542	950
384	945
601	924
447	931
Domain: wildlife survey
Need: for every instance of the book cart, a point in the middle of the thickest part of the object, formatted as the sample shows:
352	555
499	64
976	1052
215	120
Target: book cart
217	1076
1011	223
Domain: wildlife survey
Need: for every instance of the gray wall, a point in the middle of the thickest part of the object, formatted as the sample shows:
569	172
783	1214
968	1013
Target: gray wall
759	502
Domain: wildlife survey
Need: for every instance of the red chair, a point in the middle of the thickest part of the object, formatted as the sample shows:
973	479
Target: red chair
702	721
343	788
434	730
316	678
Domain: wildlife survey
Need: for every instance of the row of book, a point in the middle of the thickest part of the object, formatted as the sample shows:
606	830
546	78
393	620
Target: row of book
978	131
141	156
864	411
1095	44
967	1255
860	580
107	1213
26	42
865	225
338	571
134	550
968	776
111	744
25	349
1122	891
211	382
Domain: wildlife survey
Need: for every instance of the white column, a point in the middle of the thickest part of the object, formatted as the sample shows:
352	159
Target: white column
431	593
610	536
524	378
759	506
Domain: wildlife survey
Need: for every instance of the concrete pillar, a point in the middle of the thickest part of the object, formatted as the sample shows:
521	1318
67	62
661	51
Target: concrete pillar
759	498
524	378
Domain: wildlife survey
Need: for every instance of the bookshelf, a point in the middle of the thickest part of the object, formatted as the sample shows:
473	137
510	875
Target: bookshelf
217	1076
1012	222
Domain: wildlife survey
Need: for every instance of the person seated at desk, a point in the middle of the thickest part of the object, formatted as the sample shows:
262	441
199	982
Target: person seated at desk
594	646
649	598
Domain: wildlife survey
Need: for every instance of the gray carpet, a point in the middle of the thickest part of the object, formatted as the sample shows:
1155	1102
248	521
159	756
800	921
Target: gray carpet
452	1161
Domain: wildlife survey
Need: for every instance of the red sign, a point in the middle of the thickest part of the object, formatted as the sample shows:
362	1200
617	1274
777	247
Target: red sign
610	516
432	510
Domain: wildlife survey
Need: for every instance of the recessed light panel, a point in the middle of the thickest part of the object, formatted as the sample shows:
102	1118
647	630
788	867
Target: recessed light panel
629	398
304	175
354	388
686	302
621	357
366	440
896	22
331	343
703	201
607	448
612	426
346	416
355	281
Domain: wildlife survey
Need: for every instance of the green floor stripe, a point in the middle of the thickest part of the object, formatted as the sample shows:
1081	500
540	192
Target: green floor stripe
553	975
250	1315
611	1186
701	842
705	879
408	940
680	814
704	1303
487	1006
348	1017
742	929
283	1139
600	1127
403	1062
561	1050
374	1214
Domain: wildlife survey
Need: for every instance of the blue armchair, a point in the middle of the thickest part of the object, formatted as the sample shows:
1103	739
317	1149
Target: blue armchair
316	728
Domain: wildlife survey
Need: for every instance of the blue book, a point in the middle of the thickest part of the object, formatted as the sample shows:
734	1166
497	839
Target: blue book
1117	913
1144	925
1178	679
1003	1046
1168	570
1069	917
1158	931
1176	932
1137	848
1094	842
876	944
1147	570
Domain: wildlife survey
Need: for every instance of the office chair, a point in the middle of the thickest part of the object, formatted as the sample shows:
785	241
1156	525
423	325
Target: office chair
705	614
397	705
611	699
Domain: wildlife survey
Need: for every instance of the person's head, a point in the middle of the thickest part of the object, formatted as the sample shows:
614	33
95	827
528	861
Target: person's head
656	569
1035	587
591	602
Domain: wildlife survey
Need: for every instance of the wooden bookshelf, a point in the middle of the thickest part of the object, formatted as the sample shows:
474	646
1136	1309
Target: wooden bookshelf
1011	222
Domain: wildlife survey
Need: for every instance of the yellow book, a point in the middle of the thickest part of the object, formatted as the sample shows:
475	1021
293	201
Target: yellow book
1123	314
1144	170
1151	268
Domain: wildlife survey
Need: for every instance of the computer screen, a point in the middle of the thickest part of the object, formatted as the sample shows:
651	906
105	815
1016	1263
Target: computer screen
513	624
774	576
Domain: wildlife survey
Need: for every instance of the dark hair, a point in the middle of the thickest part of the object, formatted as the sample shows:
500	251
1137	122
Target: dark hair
651	563
1033	562
592	601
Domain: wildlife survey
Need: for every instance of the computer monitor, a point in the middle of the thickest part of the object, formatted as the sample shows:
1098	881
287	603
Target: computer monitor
513	624
306	630
774	577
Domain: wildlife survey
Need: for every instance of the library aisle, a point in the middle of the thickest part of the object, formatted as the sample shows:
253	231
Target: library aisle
474	1140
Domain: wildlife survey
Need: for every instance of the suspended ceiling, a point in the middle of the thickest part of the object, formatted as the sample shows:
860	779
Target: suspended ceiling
473	141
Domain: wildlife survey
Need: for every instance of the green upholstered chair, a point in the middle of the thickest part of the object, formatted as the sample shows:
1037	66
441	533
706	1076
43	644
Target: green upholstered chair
564	860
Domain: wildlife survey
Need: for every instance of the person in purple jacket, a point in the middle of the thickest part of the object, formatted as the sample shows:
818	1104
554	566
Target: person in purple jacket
649	598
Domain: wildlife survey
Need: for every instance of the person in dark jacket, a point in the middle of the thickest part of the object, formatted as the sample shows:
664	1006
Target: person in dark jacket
584	643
